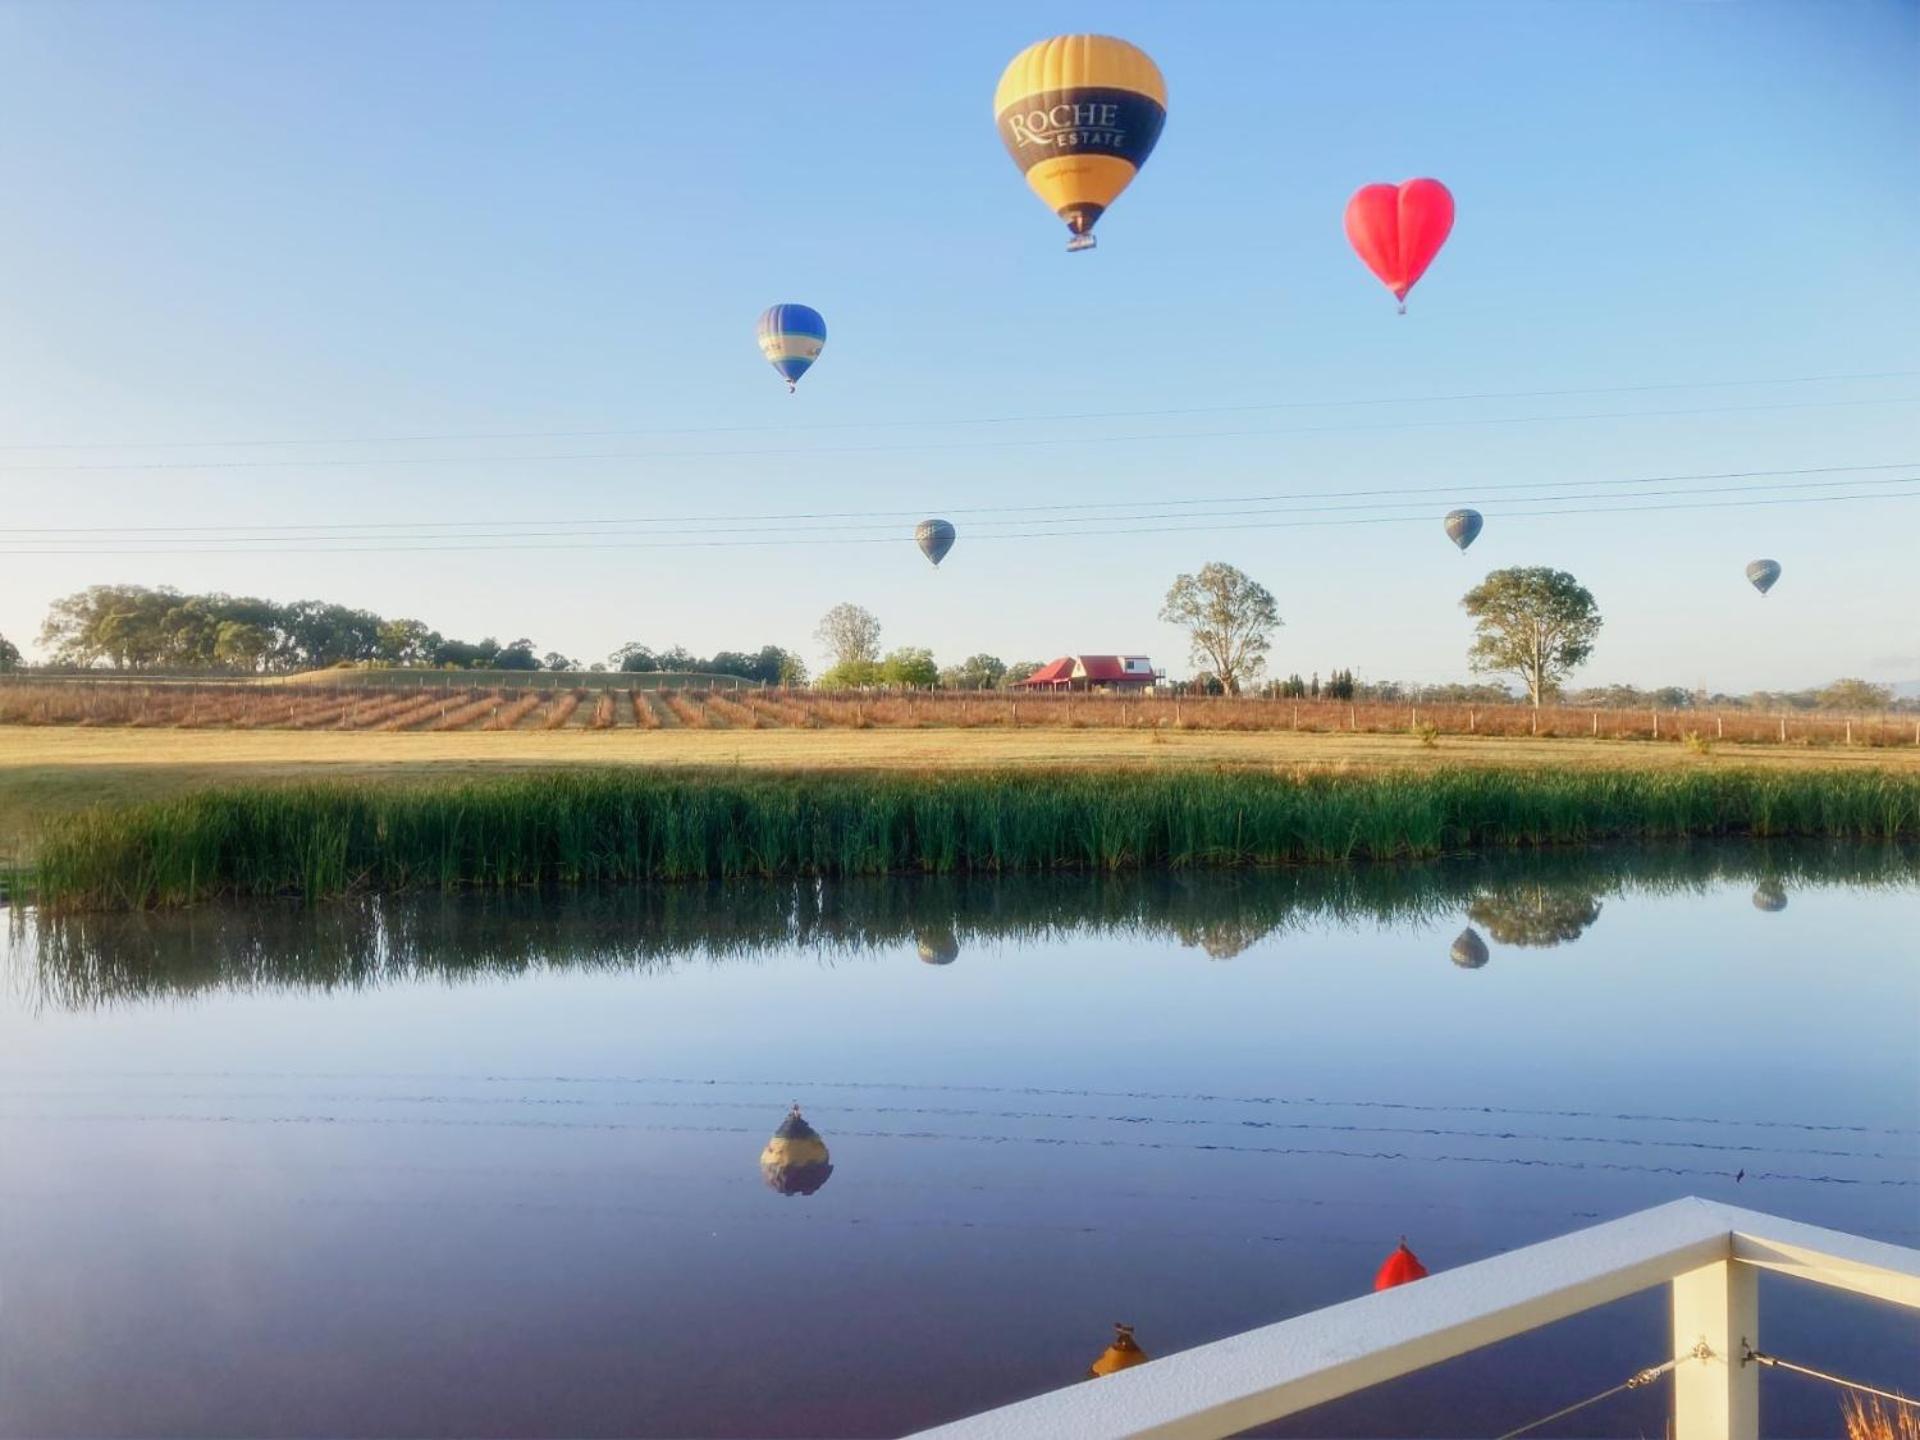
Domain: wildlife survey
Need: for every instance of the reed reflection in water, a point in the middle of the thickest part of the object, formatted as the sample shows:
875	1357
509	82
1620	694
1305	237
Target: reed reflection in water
1524	899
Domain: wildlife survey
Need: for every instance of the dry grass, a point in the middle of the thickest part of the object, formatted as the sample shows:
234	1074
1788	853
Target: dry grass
644	714
563	708
602	711
508	717
1876	1420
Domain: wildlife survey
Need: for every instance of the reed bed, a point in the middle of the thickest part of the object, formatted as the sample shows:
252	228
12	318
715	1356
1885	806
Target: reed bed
602	711
643	713
595	827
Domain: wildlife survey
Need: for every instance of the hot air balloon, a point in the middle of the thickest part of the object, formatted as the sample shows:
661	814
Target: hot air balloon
1400	1267
1770	896
1463	527
935	539
792	337
795	1161
1763	573
1469	951
1079	114
1396	230
1122	1354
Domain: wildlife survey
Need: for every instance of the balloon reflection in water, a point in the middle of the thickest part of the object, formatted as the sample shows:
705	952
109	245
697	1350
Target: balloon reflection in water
1469	950
937	947
1770	897
795	1161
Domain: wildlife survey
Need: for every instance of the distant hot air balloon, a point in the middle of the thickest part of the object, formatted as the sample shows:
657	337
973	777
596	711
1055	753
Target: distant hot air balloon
792	337
1396	230
935	539
1463	527
1122	1354
1400	1267
1079	114
1763	573
1469	950
795	1161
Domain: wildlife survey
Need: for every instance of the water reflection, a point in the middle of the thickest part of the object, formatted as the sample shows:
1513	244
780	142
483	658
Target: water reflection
1536	915
1518	899
795	1161
1469	951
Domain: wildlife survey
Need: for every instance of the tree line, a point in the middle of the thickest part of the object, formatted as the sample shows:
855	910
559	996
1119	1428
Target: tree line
1531	624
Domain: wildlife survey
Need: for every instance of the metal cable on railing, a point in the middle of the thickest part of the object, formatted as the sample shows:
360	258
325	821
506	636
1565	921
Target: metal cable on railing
1637	1380
1760	1357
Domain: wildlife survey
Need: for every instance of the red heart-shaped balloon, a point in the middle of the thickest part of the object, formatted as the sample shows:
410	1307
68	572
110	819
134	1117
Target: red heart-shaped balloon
1396	230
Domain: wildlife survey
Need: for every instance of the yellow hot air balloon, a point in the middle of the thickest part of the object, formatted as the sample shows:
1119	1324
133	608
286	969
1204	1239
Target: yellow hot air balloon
1079	114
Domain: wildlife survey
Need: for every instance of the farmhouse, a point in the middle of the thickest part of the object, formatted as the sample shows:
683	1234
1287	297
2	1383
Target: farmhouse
1093	672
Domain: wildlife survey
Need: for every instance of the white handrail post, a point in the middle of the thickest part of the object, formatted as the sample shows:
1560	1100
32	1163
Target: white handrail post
1716	1397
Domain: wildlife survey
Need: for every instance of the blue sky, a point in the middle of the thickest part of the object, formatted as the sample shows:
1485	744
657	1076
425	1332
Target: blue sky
330	222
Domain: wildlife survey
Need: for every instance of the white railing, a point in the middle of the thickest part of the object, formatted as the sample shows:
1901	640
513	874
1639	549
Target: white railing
1710	1254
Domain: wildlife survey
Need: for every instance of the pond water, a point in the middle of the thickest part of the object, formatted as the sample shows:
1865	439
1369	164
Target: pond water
492	1167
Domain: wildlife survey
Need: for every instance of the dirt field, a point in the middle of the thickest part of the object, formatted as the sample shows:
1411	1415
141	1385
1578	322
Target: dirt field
47	770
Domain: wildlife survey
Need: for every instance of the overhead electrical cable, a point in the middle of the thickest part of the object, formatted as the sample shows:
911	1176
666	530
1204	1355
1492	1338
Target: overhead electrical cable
328	544
815	538
521	525
791	453
1066	416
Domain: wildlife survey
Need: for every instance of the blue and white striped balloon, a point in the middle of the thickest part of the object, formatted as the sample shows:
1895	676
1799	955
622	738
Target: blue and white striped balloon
792	337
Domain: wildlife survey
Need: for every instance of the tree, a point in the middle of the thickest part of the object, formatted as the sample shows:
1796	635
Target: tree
976	672
850	675
910	666
850	635
1856	695
554	660
407	642
1229	619
633	658
1533	623
9	655
1018	671
517	656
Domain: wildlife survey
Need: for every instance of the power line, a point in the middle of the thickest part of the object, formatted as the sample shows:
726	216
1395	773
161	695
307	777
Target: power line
790	453
331	544
969	420
286	531
823	539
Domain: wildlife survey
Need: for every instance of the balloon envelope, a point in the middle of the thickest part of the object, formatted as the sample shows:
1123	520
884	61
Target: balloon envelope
1079	114
1463	527
792	337
1763	573
935	539
1400	1267
1396	230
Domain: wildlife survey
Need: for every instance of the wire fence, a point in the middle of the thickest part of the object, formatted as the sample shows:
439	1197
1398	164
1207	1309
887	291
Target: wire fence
528	700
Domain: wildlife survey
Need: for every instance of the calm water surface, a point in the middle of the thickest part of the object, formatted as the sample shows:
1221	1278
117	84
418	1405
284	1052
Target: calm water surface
484	1167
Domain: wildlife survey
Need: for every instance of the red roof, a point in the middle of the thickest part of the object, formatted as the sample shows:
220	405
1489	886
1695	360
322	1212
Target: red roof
1053	672
1092	669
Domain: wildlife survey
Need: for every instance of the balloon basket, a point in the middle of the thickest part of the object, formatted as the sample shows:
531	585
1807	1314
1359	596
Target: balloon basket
1081	242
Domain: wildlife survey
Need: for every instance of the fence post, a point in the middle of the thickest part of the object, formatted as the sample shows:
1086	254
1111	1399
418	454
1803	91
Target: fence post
1783	729
1473	722
1596	722
1849	730
1719	727
1353	719
1656	724
1716	1398
1536	720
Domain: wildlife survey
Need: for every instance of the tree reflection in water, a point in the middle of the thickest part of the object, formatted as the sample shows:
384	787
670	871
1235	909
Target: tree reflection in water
1539	898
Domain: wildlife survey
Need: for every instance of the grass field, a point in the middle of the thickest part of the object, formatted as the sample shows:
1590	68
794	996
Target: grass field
50	771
